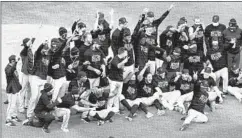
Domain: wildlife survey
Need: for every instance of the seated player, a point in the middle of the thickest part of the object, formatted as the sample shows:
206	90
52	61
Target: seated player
184	83
235	82
147	92
97	98
46	110
169	96
129	97
196	109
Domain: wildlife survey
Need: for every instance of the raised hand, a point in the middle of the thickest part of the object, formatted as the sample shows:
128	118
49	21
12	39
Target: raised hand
171	7
111	12
195	76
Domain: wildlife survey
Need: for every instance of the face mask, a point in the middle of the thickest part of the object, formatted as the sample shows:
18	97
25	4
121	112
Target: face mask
215	24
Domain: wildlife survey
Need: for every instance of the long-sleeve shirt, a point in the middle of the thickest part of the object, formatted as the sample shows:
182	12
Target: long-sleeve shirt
130	91
44	104
13	85
24	58
228	35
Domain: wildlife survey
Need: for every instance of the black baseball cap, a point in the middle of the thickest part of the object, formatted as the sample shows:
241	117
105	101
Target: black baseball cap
207	70
122	20
185	71
215	19
161	70
150	14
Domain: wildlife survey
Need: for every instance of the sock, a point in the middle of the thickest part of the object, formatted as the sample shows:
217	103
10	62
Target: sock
158	105
143	108
109	116
126	104
133	110
97	117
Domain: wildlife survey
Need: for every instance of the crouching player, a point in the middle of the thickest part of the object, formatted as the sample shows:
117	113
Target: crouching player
169	96
46	110
147	92
235	82
196	109
129	97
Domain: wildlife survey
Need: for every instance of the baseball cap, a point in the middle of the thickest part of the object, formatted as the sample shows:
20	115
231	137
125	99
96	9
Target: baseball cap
81	74
177	50
47	87
25	41
122	20
168	28
12	57
234	67
81	25
215	18
232	23
180	22
126	32
207	70
101	15
150	14
185	71
161	70
62	30
74	51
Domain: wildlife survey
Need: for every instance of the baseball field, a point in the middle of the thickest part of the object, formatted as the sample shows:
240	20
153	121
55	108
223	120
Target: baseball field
23	19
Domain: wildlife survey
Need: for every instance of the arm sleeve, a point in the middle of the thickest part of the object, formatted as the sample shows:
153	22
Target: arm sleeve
10	70
73	26
158	21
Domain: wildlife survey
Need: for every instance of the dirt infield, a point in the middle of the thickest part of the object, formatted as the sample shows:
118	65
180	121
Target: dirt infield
223	123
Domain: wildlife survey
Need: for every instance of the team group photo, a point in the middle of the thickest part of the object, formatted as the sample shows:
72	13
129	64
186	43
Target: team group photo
121	69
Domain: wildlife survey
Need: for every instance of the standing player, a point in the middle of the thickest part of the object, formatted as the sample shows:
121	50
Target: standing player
217	56
96	68
233	40
116	78
196	32
13	87
214	30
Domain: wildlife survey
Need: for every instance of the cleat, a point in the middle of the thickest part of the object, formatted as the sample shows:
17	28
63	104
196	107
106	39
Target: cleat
183	118
161	112
10	123
46	130
129	118
16	119
65	130
6	102
149	115
100	122
184	127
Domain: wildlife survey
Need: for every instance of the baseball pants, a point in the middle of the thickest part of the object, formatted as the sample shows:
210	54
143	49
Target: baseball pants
131	102
115	88
169	98
12	105
45	118
150	100
57	84
127	70
94	82
235	91
36	84
184	98
224	74
195	116
62	112
24	93
233	58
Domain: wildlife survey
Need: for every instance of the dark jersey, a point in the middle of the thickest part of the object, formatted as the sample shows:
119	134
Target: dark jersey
184	86
82	50
212	32
228	35
146	90
131	57
217	57
130	90
199	99
194	61
168	43
174	65
162	83
117	40
104	37
199	37
233	81
75	87
211	81
95	57
116	74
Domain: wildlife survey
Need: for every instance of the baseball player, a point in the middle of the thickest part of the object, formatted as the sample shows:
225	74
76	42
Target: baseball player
37	66
233	40
129	97
96	68
184	83
146	91
196	32
196	109
13	87
169	96
235	83
217	56
78	30
46	110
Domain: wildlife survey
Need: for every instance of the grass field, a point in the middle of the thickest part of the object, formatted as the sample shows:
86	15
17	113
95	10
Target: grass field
21	19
